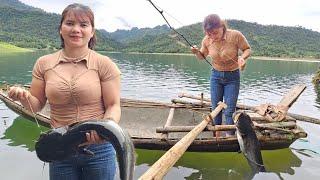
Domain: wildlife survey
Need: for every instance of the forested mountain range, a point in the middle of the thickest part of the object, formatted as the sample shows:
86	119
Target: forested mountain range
29	27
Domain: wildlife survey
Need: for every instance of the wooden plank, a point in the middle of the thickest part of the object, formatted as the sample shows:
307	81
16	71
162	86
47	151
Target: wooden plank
162	166
164	135
289	125
179	101
292	95
181	95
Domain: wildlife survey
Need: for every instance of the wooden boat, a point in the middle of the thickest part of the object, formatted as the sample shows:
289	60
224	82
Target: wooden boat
158	126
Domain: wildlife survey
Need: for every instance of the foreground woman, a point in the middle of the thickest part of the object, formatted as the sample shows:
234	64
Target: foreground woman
80	85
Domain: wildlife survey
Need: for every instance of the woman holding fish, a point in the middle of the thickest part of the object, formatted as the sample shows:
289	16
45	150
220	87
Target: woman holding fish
79	84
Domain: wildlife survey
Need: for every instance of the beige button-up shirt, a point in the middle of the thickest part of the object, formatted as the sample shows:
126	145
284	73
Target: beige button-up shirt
224	53
73	86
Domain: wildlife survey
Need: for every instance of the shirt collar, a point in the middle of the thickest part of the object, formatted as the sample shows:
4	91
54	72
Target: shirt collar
224	37
64	59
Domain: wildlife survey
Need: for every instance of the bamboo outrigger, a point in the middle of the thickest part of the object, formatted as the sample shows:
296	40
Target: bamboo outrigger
158	126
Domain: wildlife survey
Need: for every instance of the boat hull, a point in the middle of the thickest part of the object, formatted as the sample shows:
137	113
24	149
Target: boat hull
142	118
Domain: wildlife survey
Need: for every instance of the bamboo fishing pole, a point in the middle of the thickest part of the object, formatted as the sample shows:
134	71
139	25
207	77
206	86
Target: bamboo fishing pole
173	29
162	166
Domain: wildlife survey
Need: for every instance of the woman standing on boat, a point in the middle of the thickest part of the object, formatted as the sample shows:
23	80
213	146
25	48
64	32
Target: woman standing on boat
80	85
222	45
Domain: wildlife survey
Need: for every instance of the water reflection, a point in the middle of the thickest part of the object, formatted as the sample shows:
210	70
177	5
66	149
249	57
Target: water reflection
23	133
226	165
162	77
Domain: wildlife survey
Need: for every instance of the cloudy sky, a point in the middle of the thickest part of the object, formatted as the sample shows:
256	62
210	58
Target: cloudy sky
124	14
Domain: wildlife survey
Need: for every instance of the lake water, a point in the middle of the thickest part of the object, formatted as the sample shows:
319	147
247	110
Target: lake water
161	78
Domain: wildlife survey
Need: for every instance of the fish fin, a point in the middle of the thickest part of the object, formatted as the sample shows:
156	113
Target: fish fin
84	150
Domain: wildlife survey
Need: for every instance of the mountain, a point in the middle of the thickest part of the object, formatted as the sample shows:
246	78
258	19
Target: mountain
16	4
29	27
127	36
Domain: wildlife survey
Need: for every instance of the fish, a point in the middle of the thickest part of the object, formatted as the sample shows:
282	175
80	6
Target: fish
248	142
63	142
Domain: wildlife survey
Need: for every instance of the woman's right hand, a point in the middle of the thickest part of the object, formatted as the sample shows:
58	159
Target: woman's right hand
18	93
194	49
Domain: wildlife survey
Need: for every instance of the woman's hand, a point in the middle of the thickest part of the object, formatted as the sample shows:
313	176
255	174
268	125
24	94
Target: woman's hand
195	50
241	63
18	93
93	138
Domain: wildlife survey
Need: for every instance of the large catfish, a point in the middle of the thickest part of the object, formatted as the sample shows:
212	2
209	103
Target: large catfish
248	142
63	142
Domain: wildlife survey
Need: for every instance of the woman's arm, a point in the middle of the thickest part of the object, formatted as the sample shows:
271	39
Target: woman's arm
35	97
111	99
243	58
202	53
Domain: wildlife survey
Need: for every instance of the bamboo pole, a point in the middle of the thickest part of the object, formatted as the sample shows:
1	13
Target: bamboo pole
204	104
162	166
189	128
271	126
164	135
305	118
181	95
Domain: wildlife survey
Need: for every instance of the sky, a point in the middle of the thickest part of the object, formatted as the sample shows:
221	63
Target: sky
125	14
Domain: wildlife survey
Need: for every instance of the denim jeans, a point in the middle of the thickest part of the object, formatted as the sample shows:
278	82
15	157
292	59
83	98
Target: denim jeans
224	85
101	166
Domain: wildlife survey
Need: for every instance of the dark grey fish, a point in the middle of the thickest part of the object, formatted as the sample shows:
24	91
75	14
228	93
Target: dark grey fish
248	142
60	143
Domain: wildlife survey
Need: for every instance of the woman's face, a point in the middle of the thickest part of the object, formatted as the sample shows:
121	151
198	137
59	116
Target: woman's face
76	31
215	33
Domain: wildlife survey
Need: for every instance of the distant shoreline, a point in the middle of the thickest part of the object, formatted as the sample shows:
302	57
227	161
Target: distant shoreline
15	49
252	57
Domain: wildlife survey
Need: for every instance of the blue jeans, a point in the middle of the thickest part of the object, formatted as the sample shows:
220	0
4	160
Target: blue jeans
101	166
224	85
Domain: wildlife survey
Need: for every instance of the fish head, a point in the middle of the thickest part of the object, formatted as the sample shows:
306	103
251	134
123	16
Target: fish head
243	122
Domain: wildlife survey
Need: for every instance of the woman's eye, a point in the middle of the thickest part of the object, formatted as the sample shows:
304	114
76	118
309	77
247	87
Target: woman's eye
84	25
69	23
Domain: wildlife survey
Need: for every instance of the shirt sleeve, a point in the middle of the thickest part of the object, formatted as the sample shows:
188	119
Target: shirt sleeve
204	47
108	70
38	71
242	41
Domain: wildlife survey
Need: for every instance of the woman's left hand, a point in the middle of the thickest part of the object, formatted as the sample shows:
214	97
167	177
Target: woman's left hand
93	138
241	63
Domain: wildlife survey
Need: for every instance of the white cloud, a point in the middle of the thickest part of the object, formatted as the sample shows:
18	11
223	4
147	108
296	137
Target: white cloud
123	14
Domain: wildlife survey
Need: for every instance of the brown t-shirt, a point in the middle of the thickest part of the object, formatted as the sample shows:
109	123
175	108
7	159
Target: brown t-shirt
224	53
73	86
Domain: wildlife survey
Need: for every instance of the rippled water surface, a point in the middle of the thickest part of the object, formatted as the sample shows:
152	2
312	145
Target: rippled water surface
161	78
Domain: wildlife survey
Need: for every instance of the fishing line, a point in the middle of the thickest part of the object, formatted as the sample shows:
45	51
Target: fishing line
34	114
188	42
173	29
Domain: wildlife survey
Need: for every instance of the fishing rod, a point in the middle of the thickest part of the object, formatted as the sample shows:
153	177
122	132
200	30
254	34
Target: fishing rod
173	29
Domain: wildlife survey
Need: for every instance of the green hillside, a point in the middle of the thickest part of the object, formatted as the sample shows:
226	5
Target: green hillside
275	41
28	27
126	36
8	48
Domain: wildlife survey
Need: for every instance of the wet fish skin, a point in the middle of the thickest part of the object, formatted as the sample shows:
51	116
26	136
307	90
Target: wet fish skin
122	143
59	143
248	142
